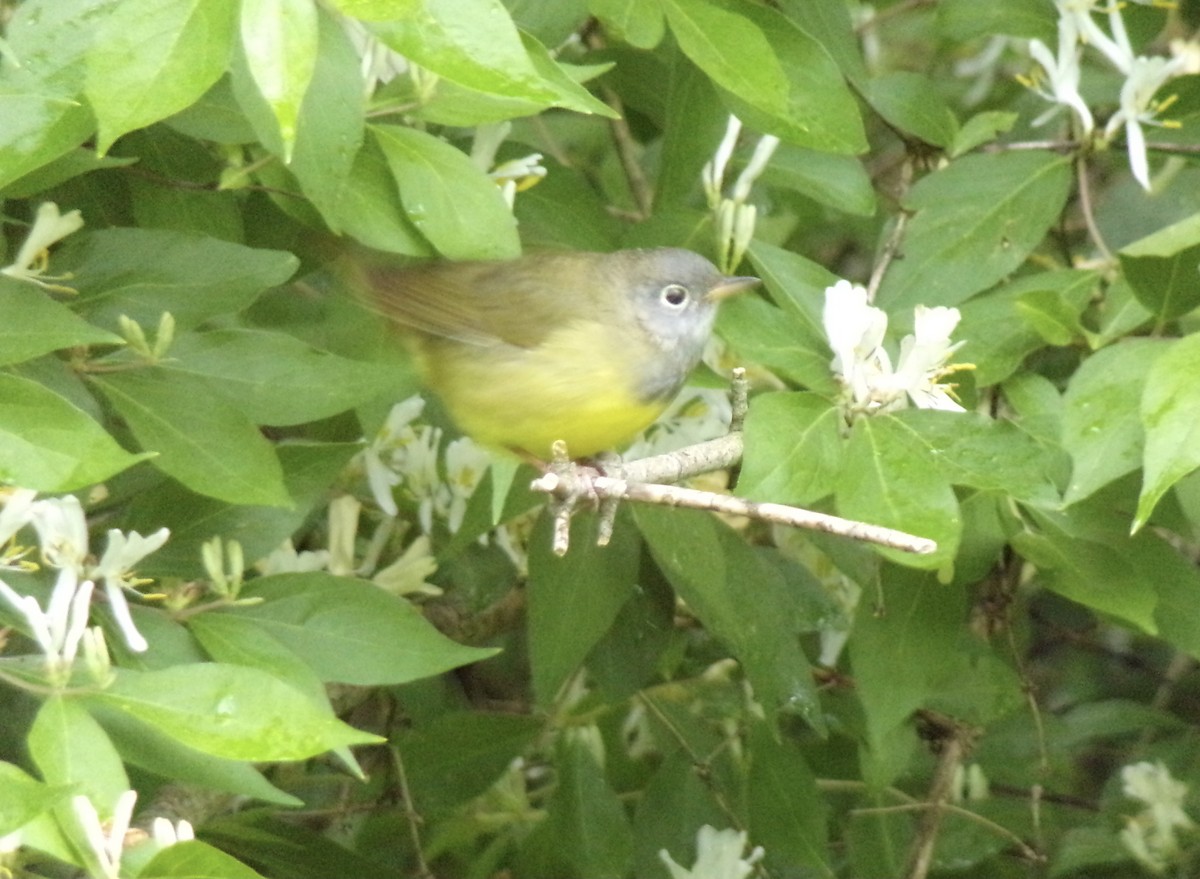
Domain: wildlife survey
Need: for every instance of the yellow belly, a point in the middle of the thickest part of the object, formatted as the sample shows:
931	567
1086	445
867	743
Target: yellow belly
526	399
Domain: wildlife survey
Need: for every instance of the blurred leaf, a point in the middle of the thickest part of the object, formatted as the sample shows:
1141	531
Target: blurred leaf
70	748
1170	415
574	599
1164	269
637	22
829	22
460	755
279	38
32	324
886	480
143	272
193	859
152	58
585	832
704	561
351	631
788	815
911	103
450	201
793	448
48	444
229	711
369	209
213	449
1108	576
68	166
976	220
980	129
22	798
967	19
274	378
331	125
1099	430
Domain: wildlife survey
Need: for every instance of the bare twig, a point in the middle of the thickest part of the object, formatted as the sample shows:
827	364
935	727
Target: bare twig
1085	207
895	239
413	817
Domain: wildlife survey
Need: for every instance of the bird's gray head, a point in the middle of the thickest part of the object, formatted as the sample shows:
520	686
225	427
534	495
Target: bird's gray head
674	296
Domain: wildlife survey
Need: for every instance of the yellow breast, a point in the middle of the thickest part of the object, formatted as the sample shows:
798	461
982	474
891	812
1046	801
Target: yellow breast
579	385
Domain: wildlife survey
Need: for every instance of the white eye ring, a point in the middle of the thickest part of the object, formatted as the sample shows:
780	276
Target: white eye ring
674	295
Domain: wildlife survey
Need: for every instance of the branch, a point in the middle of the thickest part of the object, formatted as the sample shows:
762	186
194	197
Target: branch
570	485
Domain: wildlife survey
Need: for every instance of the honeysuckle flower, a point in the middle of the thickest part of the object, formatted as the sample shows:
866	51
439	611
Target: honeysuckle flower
49	227
166	834
518	175
106	843
718	856
855	331
1062	75
59	627
285	559
1150	836
1138	108
1078	16
408	575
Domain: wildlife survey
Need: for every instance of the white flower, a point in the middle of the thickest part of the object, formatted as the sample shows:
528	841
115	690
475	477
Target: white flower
62	531
1150	835
49	227
107	845
17	511
284	559
718	856
165	833
59	627
518	175
1138	107
407	575
466	462
1062	73
1077	16
855	331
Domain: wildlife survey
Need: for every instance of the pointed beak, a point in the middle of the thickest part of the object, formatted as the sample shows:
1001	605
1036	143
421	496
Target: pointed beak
730	287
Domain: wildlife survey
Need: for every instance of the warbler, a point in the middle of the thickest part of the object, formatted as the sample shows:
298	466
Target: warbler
587	348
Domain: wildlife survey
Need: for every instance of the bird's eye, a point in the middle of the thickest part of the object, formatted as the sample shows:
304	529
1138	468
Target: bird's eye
674	295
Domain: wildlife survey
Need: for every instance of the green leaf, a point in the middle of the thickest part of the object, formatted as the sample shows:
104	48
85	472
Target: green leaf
38	127
22	799
967	19
274	378
143	272
1170	415
980	129
152	58
153	750
450	201
789	815
706	562
331	124
987	455
585	832
911	102
70	748
1099	430
719	38
69	166
637	22
471	42
574	599
279	38
793	448
840	182
32	324
229	711
353	632
193	859
888	481
997	329
1164	269
812	108
829	22
370	211
212	449
309	471
459	755
976	220
1107	576
50	445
